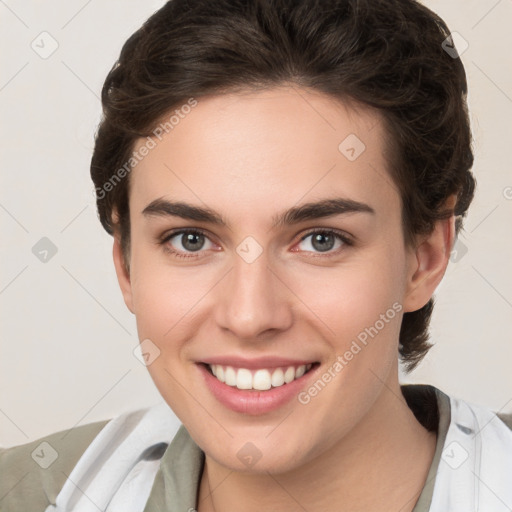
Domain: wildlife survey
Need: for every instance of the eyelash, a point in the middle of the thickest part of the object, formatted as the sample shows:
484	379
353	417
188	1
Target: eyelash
163	241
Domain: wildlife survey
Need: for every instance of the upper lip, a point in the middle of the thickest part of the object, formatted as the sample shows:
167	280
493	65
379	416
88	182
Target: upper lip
257	362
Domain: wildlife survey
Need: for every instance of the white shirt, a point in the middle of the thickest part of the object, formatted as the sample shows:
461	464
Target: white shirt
117	471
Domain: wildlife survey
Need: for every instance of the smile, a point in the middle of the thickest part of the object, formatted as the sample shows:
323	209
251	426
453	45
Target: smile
259	379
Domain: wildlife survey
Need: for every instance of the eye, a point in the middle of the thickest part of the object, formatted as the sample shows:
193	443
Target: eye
325	240
183	243
188	243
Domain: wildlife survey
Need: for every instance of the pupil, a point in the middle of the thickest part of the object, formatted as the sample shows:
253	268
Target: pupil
191	243
321	237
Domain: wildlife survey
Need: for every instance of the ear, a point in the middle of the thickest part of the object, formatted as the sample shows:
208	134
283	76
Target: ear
123	275
428	262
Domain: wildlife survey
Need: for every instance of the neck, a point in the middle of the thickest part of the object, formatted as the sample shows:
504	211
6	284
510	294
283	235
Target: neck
382	464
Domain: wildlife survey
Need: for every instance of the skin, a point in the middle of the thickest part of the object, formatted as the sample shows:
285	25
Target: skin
356	445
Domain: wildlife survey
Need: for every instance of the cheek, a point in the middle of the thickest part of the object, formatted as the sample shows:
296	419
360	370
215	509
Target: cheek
354	295
163	296
360	312
154	301
164	306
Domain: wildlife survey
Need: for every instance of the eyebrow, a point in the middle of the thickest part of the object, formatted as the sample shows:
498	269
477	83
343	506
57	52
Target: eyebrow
309	211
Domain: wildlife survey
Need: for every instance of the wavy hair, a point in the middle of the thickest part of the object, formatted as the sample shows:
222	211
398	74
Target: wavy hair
386	54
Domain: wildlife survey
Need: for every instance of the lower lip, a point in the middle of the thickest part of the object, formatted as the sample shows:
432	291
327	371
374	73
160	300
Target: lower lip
254	402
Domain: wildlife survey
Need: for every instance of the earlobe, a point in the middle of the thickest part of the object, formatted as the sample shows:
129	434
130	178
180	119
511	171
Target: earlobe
123	276
428	264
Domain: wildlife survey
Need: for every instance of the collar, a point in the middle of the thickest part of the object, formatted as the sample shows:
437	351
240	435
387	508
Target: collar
177	483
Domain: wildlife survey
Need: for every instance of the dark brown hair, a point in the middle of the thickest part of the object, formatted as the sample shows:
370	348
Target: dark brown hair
384	54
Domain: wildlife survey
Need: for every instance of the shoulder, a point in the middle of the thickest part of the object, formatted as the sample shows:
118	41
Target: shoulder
32	474
506	418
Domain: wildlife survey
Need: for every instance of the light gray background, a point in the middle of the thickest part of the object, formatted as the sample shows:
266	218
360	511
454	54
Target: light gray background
67	339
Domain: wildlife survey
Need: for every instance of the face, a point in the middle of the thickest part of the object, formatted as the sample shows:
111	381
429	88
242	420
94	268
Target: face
248	287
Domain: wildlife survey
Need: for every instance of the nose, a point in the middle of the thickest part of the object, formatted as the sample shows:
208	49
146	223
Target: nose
253	300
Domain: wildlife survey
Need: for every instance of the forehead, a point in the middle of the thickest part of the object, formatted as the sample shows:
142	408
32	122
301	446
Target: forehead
266	150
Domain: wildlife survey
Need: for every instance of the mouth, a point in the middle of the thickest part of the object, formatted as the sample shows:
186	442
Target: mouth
258	386
258	379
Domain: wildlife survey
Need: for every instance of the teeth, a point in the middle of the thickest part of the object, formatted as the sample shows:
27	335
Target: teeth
230	375
301	370
289	374
277	378
261	380
243	379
